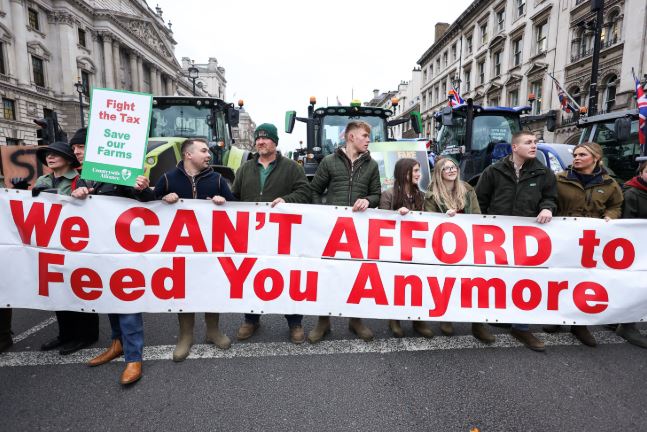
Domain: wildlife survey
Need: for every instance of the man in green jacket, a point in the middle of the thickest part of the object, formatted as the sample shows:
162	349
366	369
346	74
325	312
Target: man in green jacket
269	177
519	185
352	178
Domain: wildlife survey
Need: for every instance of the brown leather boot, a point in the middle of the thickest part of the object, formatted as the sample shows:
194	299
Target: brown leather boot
214	335
321	329
112	352
396	329
551	328
360	329
185	340
246	330
481	332
528	339
422	329
297	335
583	334
132	373
630	333
447	328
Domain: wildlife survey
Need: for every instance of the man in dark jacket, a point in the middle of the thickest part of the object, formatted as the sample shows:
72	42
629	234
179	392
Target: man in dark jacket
352	178
193	178
127	329
519	185
269	177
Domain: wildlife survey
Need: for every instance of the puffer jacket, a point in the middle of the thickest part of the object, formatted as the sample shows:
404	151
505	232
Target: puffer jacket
600	198
471	202
635	204
347	181
205	185
499	191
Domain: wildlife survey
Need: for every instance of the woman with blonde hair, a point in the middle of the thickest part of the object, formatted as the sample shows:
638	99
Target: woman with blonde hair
405	195
448	194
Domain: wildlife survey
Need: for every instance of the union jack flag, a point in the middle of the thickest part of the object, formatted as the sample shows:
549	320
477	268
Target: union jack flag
564	101
641	96
454	98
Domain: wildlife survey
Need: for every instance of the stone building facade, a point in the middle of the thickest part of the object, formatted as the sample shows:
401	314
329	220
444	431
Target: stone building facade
498	52
46	45
211	77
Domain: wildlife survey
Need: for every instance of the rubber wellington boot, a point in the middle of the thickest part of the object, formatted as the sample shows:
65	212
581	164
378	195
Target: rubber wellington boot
214	335
630	333
321	329
185	340
360	329
422	329
396	329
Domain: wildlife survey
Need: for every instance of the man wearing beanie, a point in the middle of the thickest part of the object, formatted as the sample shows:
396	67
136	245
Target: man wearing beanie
77	143
270	177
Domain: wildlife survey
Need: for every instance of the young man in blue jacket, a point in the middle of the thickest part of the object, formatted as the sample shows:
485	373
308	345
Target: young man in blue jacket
193	178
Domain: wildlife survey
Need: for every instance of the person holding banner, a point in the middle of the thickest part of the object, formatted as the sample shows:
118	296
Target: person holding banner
448	194
519	185
5	329
76	330
585	189
193	178
405	195
270	177
127	329
635	207
352	179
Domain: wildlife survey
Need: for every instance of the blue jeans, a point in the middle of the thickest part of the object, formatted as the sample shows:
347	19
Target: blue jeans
293	320
521	327
129	328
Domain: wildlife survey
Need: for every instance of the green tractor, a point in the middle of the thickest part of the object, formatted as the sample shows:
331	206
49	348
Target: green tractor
176	118
325	128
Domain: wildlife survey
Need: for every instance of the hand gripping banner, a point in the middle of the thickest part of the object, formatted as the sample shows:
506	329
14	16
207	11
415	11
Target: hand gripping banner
106	254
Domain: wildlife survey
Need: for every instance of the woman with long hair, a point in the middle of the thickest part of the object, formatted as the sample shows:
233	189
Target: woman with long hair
448	194
405	195
585	189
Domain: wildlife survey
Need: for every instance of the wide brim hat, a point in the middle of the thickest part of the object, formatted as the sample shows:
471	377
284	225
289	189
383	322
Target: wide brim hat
60	148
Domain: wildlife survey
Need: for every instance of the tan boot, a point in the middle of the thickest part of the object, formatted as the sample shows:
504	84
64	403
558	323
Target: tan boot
297	335
185	340
528	339
447	328
481	332
246	330
132	373
360	329
321	329
214	335
114	350
396	329
583	334
423	329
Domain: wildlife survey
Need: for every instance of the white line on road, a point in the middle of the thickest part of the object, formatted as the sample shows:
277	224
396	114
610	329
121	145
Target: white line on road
24	335
278	349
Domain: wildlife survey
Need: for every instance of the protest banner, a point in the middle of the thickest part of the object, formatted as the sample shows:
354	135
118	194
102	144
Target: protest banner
317	260
21	162
117	136
386	154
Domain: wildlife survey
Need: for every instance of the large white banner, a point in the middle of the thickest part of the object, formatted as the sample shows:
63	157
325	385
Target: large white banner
108	254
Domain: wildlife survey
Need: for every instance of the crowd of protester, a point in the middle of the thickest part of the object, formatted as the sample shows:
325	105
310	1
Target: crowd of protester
518	185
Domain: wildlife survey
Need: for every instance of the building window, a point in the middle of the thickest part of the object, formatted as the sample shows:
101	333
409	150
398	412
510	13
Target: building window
424	75
468	43
521	7
536	89
481	72
3	71
500	20
39	71
517	47
575	94
85	79
445	59
8	109
436	91
494	100
438	64
513	98
82	37
484	34
454	52
496	61
610	93
468	80
424	101
33	19
431	70
541	37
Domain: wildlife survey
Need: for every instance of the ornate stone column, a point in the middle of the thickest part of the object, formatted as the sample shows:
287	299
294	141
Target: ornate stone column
158	82
134	77
108	65
20	42
116	58
140	74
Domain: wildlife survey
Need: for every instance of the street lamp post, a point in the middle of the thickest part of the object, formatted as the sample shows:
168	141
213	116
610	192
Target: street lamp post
597	6
80	89
193	75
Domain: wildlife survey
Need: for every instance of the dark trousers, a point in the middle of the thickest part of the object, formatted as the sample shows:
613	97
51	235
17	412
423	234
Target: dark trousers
293	320
77	326
5	324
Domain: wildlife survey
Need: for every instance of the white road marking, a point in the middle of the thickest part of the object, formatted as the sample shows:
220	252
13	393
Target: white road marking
24	335
281	349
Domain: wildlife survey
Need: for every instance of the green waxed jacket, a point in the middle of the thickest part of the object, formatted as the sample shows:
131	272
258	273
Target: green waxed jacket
287	180
63	184
347	181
